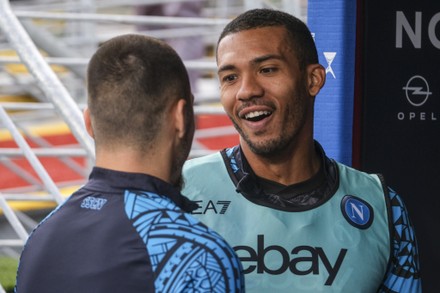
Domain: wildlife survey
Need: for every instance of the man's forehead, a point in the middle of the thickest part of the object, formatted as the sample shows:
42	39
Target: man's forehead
253	44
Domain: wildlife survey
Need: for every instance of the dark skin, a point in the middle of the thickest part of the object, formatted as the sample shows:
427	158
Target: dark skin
270	100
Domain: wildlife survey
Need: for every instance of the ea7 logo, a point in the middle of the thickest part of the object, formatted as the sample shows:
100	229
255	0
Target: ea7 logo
219	207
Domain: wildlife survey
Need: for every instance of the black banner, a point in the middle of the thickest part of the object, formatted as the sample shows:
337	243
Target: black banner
400	112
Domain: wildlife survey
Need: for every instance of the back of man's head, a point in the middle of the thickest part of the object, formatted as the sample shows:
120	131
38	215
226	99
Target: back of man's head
132	80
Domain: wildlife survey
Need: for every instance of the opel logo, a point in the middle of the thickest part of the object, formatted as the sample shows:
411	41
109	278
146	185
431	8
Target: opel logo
417	90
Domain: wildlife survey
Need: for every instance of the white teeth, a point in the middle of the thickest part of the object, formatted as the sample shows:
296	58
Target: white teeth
255	114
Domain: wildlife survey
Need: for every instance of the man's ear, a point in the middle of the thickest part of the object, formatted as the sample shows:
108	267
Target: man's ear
88	122
315	78
179	118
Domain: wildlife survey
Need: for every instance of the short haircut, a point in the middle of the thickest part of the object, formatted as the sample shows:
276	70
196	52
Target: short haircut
131	80
299	36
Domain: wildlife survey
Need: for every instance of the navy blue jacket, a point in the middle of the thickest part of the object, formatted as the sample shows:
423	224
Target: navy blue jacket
126	232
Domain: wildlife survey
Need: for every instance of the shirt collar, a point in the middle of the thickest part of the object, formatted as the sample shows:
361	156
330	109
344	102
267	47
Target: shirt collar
103	179
248	184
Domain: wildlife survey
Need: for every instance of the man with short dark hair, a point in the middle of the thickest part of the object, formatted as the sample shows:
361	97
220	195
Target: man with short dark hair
299	221
128	228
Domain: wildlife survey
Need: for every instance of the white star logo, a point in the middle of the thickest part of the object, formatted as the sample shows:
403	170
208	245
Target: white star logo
329	57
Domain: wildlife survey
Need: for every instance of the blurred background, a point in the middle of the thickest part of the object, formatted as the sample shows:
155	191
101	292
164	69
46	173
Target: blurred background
379	110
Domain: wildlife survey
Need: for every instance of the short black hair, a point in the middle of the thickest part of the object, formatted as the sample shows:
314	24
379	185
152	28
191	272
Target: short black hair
131	80
300	37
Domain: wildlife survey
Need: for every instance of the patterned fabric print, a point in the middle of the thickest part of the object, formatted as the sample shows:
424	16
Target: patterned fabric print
186	256
230	155
405	276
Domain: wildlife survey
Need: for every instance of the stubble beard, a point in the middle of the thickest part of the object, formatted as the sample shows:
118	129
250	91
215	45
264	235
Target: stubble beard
295	118
264	147
183	150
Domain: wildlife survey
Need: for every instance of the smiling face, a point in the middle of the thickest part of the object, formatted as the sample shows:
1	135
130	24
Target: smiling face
263	90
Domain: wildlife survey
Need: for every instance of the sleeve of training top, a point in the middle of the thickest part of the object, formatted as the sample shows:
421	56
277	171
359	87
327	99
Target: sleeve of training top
186	255
403	274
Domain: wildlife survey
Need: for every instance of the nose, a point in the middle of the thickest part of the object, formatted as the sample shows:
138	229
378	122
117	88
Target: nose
249	88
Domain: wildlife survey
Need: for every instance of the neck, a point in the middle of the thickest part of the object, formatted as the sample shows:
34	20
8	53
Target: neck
152	162
293	165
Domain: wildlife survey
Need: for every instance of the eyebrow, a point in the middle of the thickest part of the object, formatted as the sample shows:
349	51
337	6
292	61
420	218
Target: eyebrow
265	58
225	68
255	61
